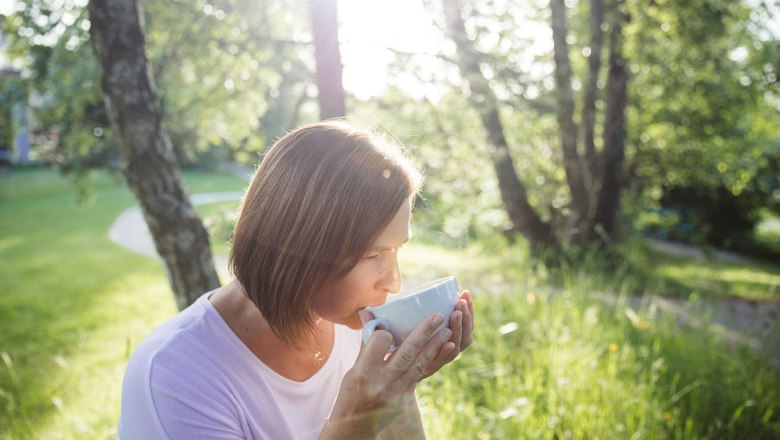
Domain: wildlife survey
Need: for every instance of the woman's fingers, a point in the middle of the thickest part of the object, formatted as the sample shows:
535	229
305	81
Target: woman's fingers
446	354
373	385
422	354
459	334
466	296
406	355
378	345
456	324
468	320
426	360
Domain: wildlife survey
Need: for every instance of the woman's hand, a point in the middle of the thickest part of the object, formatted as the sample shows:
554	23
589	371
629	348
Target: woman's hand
462	325
376	390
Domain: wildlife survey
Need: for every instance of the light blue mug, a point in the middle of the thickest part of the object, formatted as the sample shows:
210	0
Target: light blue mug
404	311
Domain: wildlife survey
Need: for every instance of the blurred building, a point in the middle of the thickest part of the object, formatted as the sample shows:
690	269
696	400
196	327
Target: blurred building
14	128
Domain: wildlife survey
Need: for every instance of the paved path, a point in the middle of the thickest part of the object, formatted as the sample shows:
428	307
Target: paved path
686	250
129	230
736	321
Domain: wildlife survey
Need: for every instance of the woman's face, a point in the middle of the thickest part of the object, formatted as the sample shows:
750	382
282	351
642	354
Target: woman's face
369	282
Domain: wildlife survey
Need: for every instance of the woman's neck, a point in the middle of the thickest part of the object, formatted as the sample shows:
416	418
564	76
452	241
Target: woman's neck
251	327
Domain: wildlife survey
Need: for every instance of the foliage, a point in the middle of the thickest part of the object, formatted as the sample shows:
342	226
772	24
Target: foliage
219	220
233	75
703	111
209	60
216	65
720	213
705	116
62	80
732	146
460	199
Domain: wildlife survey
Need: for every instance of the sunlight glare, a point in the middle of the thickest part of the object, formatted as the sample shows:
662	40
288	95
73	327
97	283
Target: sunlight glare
370	30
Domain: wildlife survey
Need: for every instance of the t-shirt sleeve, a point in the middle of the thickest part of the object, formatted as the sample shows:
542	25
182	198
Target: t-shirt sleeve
161	401
192	407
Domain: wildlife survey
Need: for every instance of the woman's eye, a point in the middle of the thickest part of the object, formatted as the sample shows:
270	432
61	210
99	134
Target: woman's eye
371	256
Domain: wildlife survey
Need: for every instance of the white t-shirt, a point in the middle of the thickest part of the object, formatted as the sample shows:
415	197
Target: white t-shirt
192	378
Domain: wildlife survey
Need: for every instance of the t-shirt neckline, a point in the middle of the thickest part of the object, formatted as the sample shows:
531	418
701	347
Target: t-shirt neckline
260	367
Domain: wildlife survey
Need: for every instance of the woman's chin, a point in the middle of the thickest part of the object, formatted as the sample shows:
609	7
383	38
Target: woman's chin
353	322
355	325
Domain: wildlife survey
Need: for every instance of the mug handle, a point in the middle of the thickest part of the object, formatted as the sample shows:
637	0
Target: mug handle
370	327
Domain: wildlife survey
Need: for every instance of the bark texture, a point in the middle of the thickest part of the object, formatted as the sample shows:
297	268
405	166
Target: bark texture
148	163
330	88
513	193
567	128
614	135
591	86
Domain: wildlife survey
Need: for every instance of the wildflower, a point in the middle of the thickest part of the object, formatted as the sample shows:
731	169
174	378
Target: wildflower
508	328
530	297
644	325
522	401
613	347
509	412
667	416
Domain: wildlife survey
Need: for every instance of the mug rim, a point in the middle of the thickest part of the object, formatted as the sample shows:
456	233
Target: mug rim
413	291
420	287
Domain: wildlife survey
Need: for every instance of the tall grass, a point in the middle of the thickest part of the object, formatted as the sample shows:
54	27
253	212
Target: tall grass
565	352
569	366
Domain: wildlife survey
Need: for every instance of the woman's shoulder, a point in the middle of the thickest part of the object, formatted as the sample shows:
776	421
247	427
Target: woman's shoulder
182	343
178	373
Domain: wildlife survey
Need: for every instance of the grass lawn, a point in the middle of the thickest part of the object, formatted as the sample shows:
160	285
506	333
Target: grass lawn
708	275
73	306
755	280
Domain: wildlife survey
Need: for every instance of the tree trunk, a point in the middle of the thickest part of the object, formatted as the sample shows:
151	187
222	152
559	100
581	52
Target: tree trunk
148	164
614	135
567	128
522	215
330	89
591	87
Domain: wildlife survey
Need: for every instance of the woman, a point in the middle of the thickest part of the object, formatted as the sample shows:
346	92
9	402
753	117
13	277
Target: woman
277	353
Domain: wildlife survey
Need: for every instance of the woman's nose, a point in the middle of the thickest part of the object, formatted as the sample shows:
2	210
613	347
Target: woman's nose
392	279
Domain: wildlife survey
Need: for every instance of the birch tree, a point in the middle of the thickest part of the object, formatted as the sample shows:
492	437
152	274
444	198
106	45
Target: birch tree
594	178
330	88
148	164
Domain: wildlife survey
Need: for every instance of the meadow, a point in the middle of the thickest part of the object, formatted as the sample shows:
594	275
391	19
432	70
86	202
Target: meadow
551	359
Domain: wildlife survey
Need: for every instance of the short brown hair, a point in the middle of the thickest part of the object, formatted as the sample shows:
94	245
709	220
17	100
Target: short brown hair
320	197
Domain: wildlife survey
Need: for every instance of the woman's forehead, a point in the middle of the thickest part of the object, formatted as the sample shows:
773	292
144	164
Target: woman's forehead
396	232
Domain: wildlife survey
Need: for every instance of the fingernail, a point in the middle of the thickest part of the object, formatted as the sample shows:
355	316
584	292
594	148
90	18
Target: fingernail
437	319
445	334
450	346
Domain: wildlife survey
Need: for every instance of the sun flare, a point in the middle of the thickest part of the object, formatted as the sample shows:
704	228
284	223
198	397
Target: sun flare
370	30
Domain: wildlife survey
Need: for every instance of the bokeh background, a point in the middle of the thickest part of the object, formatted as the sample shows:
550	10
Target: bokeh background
601	174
